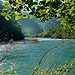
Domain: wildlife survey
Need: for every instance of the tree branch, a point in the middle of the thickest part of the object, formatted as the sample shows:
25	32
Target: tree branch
4	56
52	65
46	53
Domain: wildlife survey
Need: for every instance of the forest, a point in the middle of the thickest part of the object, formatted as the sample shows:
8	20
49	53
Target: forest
54	55
56	32
9	29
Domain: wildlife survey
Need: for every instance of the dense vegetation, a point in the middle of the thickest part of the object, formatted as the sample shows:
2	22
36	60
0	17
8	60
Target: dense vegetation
9	29
45	10
55	32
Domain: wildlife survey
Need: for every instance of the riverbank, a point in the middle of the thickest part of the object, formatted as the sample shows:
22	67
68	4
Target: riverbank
30	40
22	43
44	38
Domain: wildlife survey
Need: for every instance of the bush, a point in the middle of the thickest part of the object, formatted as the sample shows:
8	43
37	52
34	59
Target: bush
35	40
11	41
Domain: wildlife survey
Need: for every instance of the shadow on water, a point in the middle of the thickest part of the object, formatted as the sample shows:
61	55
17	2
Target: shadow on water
11	57
14	57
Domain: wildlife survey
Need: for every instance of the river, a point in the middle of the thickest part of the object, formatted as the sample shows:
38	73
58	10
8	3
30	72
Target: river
27	56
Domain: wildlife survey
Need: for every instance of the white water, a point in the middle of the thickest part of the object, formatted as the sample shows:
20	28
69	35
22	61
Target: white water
45	39
5	47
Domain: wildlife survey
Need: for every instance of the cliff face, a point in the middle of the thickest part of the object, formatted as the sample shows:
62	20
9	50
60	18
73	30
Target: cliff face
9	29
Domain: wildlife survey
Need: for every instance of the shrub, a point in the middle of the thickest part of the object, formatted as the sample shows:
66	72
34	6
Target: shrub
35	40
11	41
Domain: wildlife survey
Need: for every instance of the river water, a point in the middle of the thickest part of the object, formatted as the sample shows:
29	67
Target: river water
27	56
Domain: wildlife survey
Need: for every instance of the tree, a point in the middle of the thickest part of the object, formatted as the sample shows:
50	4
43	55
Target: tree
43	10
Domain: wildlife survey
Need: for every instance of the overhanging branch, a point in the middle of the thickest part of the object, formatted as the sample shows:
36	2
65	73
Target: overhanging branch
45	54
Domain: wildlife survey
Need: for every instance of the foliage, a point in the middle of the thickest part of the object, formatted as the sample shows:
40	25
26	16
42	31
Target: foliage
11	41
10	71
10	30
55	32
34	40
59	70
43	10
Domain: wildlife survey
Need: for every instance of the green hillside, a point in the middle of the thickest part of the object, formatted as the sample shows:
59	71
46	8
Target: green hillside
29	26
56	32
34	26
48	24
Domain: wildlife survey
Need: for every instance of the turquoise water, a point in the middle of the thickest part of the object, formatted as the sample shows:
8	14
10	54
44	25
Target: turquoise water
27	56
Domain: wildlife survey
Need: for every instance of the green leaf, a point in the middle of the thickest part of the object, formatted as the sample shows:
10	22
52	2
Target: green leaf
34	5
4	9
71	30
18	13
6	4
31	16
7	17
47	0
3	13
58	19
73	27
24	16
36	0
74	60
71	66
10	6
17	17
10	12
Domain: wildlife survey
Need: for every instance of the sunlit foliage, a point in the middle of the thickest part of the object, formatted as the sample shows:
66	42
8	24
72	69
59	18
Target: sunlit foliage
10	71
59	70
43	10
